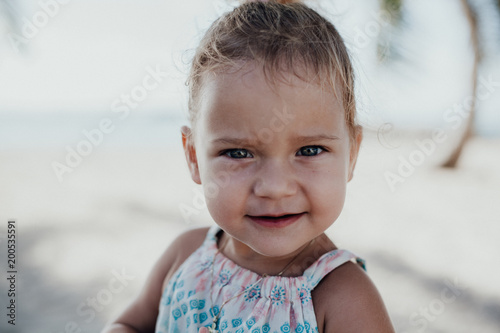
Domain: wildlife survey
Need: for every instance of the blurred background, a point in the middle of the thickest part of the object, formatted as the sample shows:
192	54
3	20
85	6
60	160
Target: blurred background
92	97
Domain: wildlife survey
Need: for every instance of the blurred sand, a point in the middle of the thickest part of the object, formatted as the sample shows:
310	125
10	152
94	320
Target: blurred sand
120	208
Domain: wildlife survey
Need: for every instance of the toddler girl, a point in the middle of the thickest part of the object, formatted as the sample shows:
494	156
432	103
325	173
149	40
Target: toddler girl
274	142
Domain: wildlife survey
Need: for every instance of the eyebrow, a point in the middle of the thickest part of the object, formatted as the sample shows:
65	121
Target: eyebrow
299	139
232	141
319	137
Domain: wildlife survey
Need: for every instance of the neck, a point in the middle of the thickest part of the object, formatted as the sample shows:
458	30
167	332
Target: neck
300	259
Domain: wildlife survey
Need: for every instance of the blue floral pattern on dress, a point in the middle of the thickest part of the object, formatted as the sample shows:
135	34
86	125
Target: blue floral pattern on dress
304	294
180	295
214	311
224	277
250	322
278	295
285	328
252	293
236	322
193	304
177	313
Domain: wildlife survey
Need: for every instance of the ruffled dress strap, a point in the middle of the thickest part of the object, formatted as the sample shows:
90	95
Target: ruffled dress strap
327	263
211	237
208	248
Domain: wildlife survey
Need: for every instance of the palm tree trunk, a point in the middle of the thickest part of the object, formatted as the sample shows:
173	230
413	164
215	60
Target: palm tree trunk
452	160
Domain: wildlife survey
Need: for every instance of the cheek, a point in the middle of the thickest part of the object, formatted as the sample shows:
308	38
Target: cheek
224	190
227	207
326	190
330	189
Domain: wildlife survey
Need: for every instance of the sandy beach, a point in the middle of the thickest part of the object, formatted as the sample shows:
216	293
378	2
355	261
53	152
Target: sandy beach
85	245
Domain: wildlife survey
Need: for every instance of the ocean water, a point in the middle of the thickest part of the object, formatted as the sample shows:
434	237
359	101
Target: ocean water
57	129
23	130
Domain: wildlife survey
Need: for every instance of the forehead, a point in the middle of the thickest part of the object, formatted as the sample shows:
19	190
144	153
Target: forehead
246	102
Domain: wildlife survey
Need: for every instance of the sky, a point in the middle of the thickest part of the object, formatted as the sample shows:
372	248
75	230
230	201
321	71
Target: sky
84	56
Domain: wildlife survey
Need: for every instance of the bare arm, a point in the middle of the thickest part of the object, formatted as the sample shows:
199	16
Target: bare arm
140	316
352	303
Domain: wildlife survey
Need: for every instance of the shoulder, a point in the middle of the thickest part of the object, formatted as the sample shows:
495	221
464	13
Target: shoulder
142	313
347	301
187	242
180	249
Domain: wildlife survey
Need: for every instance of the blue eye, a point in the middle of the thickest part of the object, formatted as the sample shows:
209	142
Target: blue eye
237	153
309	151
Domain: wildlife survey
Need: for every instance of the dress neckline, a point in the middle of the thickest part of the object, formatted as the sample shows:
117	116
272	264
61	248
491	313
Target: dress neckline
216	231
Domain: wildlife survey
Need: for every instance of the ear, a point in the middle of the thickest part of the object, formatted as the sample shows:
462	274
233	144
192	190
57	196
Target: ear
355	145
190	152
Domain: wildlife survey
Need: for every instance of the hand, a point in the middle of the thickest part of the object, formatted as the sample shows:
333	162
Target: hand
203	330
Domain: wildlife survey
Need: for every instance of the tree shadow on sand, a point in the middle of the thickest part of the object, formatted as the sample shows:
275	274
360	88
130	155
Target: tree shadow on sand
47	304
446	296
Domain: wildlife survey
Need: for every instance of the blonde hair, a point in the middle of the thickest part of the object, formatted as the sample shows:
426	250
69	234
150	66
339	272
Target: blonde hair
281	36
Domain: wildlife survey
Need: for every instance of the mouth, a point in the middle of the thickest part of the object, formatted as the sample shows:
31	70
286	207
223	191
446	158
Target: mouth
276	221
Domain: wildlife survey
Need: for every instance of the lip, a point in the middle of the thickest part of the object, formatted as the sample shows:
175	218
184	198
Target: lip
276	221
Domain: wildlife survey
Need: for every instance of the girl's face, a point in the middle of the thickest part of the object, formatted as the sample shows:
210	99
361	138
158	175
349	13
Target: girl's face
274	159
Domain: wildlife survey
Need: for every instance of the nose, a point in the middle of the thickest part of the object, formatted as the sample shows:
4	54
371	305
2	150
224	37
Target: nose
275	179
